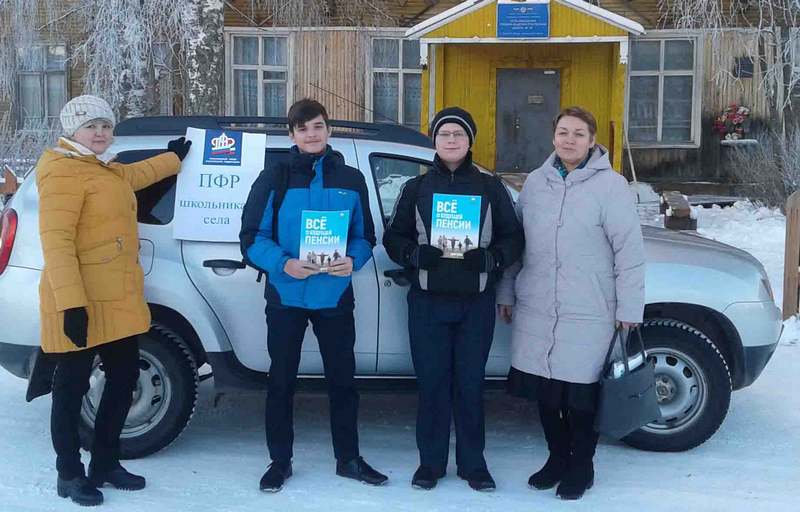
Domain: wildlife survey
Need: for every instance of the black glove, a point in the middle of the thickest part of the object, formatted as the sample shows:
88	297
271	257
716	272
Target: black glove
480	260
424	256
180	147
76	325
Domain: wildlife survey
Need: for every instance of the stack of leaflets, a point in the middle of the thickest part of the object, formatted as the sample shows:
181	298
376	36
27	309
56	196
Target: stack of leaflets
455	223
323	237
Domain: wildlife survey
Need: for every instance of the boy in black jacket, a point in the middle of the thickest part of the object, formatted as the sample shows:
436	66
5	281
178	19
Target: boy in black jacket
451	304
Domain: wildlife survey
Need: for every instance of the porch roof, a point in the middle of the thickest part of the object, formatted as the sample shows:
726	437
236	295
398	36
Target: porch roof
611	24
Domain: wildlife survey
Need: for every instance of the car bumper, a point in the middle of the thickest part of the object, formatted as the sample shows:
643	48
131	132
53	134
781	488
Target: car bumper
759	325
17	358
755	359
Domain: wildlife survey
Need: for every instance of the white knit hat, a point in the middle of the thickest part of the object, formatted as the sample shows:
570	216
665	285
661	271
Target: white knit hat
82	109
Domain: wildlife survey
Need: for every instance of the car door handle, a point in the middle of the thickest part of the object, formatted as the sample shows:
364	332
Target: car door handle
229	264
398	275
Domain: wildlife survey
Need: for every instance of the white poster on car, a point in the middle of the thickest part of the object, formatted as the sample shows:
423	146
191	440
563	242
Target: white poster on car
214	182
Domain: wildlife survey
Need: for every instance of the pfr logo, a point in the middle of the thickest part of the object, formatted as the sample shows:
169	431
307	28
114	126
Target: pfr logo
223	145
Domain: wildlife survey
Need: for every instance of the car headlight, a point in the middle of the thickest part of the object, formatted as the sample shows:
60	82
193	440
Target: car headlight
767	287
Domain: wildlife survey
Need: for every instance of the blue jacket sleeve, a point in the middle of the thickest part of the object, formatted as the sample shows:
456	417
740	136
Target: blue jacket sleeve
361	236
256	239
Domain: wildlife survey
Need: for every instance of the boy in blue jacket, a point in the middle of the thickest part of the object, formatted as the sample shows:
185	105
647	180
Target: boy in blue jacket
314	179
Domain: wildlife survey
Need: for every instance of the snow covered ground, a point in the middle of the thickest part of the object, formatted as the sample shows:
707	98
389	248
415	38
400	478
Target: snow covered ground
751	464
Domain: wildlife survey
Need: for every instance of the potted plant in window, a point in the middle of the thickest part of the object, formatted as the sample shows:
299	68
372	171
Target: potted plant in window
733	123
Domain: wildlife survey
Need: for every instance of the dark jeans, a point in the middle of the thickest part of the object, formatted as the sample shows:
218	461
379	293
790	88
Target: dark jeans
450	341
335	331
120	360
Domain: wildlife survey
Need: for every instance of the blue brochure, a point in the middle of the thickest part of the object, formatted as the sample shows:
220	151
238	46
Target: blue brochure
455	223
323	236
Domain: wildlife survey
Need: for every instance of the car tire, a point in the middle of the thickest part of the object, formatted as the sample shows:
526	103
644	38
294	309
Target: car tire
693	384
164	399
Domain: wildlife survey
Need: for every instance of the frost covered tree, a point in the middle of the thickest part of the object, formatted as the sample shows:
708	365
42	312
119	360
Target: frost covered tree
126	47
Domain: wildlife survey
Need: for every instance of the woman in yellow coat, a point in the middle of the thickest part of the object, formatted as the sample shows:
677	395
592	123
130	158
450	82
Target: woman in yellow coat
92	287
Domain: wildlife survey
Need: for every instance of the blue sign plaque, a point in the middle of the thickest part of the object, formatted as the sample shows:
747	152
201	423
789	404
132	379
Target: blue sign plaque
523	19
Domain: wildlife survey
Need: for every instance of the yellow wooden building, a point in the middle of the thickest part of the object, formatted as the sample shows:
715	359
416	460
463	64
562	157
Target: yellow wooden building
514	64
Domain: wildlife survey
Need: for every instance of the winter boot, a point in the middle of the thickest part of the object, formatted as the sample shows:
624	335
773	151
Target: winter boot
358	469
118	477
79	490
479	479
580	471
276	475
556	432
425	478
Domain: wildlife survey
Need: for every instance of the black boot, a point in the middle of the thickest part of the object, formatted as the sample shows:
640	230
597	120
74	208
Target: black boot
79	490
580	471
276	475
551	473
358	469
556	433
425	478
118	477
479	479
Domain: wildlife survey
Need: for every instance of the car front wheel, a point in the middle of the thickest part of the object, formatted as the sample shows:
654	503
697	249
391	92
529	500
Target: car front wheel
693	385
163	400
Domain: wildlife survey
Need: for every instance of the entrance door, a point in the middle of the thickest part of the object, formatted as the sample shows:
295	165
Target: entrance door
527	102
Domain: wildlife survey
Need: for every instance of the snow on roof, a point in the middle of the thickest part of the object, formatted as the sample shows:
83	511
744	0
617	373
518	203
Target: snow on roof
464	8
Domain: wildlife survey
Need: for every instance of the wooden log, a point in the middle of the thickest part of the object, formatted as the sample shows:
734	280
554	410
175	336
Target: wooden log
677	211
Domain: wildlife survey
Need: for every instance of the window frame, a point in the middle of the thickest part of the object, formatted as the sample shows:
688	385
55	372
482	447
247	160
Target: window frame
42	74
696	37
400	71
259	33
386	216
794	56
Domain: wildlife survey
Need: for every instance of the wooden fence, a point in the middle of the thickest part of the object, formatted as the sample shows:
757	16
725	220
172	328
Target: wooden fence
791	261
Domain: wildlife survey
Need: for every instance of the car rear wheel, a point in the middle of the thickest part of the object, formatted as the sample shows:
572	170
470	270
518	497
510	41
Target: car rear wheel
163	400
693	385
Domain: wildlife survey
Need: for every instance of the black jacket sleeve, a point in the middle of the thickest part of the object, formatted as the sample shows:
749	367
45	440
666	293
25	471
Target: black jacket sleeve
400	237
508	239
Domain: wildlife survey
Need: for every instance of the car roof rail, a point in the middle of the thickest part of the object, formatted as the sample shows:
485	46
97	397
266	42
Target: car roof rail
176	125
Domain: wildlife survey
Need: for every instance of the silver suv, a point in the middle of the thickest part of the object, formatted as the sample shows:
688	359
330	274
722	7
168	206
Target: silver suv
711	323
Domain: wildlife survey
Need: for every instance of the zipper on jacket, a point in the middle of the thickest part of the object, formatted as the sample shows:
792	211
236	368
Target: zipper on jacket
555	284
119	243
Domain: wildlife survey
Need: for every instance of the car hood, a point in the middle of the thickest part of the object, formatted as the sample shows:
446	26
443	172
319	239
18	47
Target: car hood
693	242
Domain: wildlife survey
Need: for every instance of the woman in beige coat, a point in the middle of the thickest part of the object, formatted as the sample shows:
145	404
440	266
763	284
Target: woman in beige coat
92	287
582	274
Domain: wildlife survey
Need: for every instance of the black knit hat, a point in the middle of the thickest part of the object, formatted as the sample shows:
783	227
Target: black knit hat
454	115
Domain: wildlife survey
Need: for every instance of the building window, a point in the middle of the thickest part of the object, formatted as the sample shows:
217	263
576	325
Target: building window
396	82
42	84
260	72
661	92
794	50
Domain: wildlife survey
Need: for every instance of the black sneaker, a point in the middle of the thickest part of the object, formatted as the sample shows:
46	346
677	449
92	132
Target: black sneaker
479	480
425	478
276	475
358	469
80	491
550	474
577	480
118	477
